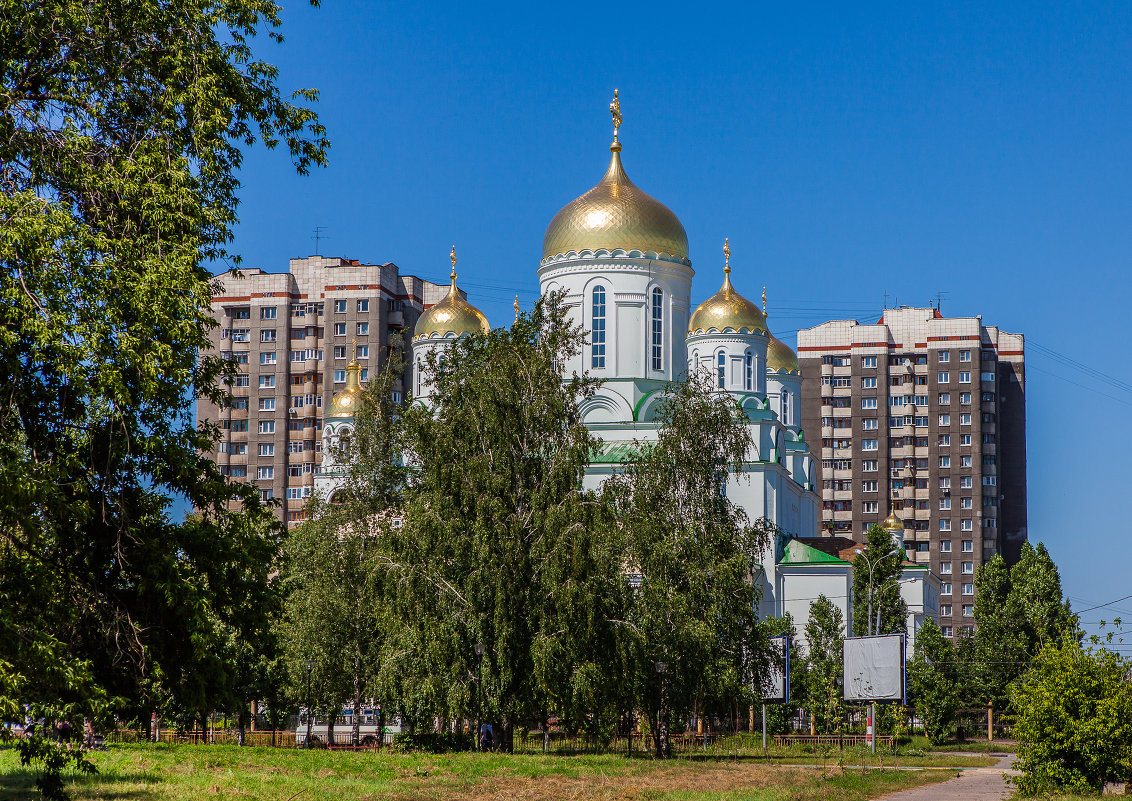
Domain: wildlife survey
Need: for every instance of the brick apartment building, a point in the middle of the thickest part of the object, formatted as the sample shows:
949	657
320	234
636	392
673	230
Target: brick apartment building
291	335
924	415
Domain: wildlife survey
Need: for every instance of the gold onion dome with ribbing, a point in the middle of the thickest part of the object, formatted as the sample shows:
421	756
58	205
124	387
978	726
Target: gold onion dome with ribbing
348	401
453	315
892	523
615	215
727	310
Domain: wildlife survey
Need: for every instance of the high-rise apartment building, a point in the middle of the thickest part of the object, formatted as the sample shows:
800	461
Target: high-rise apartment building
291	336
925	416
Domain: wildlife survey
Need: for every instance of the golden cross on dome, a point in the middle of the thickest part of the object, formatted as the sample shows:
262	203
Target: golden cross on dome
355	349
516	308
452	256
726	257
615	110
764	301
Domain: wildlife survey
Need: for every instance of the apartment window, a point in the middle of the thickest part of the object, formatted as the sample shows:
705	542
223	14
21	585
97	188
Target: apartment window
869	486
990	522
869	445
988	397
947	631
597	341
987	376
267	313
964	355
267	335
239	425
945	419
989	439
945	399
241	334
945	483
267	426
842	382
363	329
267	404
339	329
989	459
945	461
895	381
943	377
870	507
869	424
920	421
945	440
363	306
657	329
365	374
945	504
965	460
990	500
965	482
964	439
968	589
241	314
267	358
339	376
869	466
242	380
968	567
339	307
295	471
964	377
262	473
945	546
869	382
266	381
945	525
869	361
966	503
294	447
944	356
266	449
965	398
965	419
945	568
298	333
868	403
945	610
945	588
363	352
968	610
239	356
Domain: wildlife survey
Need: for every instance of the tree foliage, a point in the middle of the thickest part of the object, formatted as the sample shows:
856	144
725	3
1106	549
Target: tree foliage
825	632
883	595
934	681
695	553
1018	610
121	130
1074	719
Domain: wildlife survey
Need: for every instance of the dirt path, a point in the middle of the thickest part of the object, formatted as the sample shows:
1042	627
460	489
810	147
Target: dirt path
976	784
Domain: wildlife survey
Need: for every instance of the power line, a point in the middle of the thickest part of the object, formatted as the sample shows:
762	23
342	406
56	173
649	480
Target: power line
1101	606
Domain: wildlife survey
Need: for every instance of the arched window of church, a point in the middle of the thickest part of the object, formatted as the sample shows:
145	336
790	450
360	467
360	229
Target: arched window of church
420	370
657	329
597	346
749	371
786	421
721	368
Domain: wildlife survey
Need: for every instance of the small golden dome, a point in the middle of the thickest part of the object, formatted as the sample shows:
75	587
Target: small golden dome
348	401
892	523
452	315
727	309
615	215
780	357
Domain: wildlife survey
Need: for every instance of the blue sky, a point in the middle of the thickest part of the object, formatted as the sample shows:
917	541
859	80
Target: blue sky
847	151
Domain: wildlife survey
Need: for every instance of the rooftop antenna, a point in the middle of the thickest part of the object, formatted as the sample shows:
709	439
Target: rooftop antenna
883	308
318	237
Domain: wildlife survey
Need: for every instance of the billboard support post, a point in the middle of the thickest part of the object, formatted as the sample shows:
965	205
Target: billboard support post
870	730
764	726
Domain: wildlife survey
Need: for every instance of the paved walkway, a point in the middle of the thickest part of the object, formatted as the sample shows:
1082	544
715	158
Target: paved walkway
976	784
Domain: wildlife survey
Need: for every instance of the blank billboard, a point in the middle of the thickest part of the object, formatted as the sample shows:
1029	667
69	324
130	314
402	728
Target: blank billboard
874	668
776	686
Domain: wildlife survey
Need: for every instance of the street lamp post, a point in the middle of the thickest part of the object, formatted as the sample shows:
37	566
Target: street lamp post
310	667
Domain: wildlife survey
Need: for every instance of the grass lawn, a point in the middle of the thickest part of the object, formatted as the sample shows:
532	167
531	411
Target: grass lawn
967	746
191	773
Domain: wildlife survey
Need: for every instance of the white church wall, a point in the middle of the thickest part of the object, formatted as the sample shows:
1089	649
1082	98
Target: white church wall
798	587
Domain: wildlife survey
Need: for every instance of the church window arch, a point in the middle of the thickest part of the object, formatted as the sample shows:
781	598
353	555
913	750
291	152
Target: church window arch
598	329
657	328
787	419
420	370
721	369
749	370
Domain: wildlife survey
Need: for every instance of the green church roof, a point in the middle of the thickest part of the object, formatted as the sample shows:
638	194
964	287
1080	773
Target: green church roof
798	553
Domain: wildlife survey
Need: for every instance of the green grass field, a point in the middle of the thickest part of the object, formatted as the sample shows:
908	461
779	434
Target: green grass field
193	773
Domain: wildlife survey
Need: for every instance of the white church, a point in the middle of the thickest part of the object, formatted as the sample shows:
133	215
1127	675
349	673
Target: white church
622	258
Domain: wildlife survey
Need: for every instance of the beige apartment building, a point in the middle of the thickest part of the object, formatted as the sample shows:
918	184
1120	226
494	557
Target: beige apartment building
291	336
923	415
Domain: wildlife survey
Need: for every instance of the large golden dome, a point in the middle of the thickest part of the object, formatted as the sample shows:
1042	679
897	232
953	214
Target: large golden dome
614	215
348	401
453	315
727	310
892	523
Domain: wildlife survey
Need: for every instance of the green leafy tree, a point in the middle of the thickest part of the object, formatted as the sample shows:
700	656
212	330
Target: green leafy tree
694	551
1074	719
501	545
121	131
825	632
1018	611
778	714
933	681
882	595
